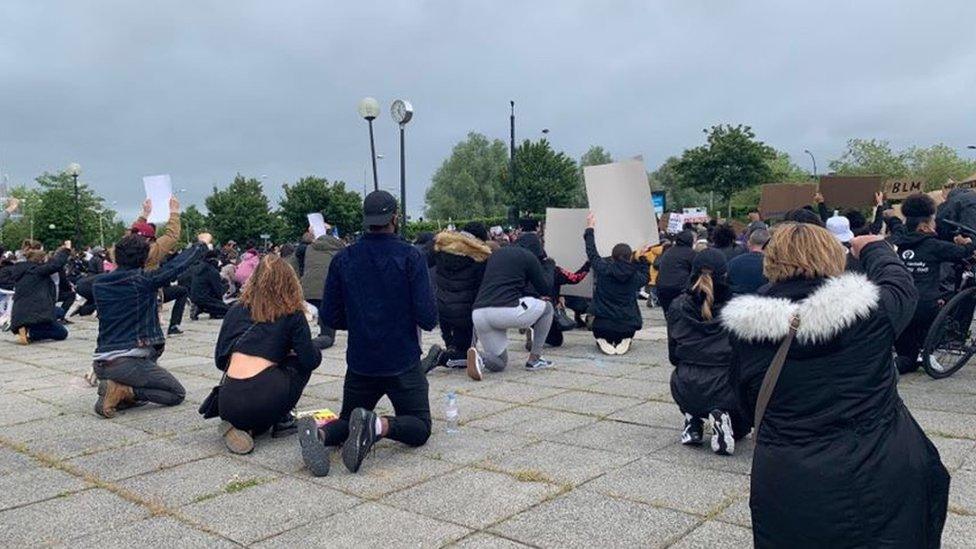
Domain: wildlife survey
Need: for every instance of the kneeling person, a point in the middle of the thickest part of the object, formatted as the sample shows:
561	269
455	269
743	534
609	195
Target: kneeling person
265	348
130	339
378	290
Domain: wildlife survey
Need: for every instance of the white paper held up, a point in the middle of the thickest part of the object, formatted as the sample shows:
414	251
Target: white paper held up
159	189
317	223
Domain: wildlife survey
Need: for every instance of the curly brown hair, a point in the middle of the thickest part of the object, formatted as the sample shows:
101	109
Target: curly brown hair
273	291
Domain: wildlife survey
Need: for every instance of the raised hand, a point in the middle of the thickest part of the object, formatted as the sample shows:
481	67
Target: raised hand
174	204
146	208
590	220
859	242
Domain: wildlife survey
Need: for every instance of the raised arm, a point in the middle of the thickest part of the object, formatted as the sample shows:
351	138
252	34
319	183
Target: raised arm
57	262
886	270
174	268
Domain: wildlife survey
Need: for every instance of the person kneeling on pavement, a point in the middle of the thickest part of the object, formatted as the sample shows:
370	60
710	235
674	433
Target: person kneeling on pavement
206	288
616	314
378	290
266	353
130	340
699	349
33	316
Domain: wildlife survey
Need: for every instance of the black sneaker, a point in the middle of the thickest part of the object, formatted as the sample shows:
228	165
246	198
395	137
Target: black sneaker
692	434
722	442
432	359
174	330
538	364
285	426
314	452
194	312
362	436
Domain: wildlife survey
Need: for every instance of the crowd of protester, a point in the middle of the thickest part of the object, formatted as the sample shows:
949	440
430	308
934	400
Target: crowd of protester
795	330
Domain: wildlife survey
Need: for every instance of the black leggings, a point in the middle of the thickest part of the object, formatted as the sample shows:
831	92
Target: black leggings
909	343
216	308
608	330
457	338
257	403
407	392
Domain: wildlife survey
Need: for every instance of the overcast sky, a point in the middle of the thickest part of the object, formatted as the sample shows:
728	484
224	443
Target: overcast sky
205	89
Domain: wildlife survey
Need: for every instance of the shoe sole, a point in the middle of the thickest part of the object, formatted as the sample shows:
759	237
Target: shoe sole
314	453
100	402
474	372
433	357
722	442
609	351
236	441
350	448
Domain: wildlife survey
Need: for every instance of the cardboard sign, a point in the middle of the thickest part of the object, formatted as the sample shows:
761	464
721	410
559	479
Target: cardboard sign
842	191
564	244
675	222
621	200
159	189
898	189
968	183
779	198
695	215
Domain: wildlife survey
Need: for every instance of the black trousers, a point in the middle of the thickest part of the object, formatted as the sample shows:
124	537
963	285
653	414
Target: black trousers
149	381
457	338
84	288
216	308
176	294
608	330
256	403
910	341
407	392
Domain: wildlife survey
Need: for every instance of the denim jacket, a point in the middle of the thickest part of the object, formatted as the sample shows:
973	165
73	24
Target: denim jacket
128	314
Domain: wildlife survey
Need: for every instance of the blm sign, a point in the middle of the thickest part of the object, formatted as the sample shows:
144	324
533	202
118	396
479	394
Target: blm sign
898	189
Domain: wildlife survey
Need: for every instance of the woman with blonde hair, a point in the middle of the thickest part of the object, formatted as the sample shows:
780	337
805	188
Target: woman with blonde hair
839	461
698	347
266	353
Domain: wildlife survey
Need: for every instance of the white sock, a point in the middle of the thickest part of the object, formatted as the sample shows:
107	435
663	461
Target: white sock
379	426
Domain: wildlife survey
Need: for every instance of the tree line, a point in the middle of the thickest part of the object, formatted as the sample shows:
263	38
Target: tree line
726	171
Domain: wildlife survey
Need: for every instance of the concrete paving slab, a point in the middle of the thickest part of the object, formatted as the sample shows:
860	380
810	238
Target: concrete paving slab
196	480
618	437
561	463
138	459
153	532
716	534
60	520
36	484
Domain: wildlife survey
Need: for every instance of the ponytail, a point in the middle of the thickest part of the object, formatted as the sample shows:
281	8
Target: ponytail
706	288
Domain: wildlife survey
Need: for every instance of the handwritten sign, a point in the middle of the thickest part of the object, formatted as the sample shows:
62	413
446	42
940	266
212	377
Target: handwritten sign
898	189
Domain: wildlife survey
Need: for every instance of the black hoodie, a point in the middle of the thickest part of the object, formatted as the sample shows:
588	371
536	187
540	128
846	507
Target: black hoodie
674	266
923	255
616	285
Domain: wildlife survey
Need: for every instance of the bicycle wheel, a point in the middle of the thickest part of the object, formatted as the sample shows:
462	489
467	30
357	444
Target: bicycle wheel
950	342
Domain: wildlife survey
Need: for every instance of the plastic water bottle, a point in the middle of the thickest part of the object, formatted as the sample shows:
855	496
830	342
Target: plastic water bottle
451	413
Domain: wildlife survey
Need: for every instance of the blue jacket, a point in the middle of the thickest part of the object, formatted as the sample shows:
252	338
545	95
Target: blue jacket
379	290
128	315
746	273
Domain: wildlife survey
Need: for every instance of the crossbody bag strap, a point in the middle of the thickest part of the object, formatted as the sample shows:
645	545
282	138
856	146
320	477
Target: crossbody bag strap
772	374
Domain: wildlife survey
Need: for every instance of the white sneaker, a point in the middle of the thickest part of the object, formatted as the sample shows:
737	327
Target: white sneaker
723	443
475	365
623	346
642	294
605	347
934	364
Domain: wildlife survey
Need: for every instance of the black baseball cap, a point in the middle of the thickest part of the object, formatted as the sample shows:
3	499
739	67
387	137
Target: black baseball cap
379	208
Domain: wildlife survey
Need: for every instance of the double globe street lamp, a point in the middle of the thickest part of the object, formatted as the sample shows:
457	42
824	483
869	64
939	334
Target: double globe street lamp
74	170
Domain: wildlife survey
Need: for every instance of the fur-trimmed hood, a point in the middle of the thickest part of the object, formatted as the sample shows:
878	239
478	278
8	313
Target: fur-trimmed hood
835	306
461	244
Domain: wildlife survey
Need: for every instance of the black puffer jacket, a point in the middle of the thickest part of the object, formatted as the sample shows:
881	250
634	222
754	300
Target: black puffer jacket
35	292
700	351
460	262
839	461
674	266
615	287
960	206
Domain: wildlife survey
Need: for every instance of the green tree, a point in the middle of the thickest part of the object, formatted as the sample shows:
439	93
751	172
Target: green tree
783	171
594	156
871	157
193	222
338	206
937	164
469	182
677	195
544	178
240	212
55	207
731	160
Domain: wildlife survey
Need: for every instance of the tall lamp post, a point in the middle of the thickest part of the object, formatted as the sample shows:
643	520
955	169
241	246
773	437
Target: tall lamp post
814	162
74	170
369	109
402	112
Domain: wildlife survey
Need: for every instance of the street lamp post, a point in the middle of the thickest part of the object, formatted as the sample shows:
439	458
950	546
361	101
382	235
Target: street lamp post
74	170
402	112
511	146
814	162
369	109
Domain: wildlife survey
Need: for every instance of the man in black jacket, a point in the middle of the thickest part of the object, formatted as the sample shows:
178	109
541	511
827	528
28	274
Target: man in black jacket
674	268
502	304
923	253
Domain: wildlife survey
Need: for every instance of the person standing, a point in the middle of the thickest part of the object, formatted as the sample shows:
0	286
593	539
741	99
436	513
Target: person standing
159	248
130	340
33	316
839	461
746	270
616	314
377	289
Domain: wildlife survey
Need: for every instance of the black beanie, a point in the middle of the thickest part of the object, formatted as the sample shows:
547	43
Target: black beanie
710	259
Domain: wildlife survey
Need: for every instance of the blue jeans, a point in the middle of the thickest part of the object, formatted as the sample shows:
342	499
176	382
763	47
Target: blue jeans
47	330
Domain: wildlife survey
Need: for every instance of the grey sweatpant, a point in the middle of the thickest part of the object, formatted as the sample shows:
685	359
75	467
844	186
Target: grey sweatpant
491	328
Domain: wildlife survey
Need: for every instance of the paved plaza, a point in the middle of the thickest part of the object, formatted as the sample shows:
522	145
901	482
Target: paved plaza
583	455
